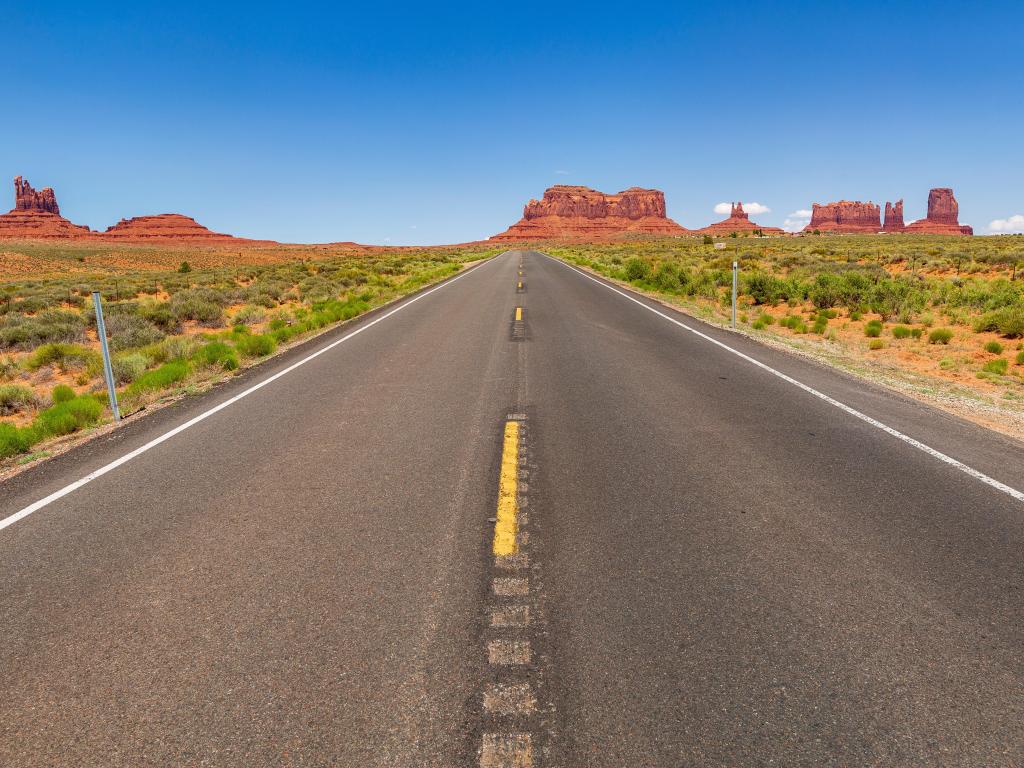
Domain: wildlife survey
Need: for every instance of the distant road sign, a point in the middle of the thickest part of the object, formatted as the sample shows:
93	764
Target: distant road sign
720	246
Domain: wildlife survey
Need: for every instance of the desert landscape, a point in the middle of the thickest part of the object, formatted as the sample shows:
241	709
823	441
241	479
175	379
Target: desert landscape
919	307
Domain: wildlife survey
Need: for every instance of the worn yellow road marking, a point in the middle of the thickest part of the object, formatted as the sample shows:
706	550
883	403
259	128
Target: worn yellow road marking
505	525
520	286
519	314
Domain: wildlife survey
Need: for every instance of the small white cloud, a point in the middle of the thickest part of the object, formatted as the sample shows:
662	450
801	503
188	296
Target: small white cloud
561	173
1013	224
797	220
754	209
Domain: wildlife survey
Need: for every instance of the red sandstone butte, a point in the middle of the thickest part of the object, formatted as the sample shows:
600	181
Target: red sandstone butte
581	213
163	227
36	216
943	216
845	216
893	217
738	221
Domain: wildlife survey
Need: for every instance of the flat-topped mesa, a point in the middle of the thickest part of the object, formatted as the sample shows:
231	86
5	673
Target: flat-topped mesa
893	217
36	216
165	226
943	215
738	221
580	213
845	216
28	199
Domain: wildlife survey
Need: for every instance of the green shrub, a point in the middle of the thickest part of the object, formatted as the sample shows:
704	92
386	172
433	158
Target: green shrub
873	328
249	315
185	268
994	347
62	393
68	416
52	325
64	356
901	332
15	440
159	378
130	331
255	345
637	270
856	315
128	367
666	278
940	336
203	305
917	333
14	398
1019	359
876	344
1008	321
996	366
820	324
218	353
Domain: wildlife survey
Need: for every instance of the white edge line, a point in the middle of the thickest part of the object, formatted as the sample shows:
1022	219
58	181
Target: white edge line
36	506
991	481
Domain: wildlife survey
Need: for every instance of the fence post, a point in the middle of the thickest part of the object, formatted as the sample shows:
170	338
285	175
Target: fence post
735	275
108	371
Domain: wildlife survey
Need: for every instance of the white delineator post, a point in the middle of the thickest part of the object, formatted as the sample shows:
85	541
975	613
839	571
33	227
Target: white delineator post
735	278
108	371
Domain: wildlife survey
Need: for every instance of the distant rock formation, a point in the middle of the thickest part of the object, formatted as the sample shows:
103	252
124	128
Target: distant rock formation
943	216
738	221
845	216
580	213
36	216
27	199
893	217
165	226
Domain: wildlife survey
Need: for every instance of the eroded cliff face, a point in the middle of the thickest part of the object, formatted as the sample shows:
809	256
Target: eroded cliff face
580	213
28	199
893	217
845	216
738	221
165	226
943	215
36	216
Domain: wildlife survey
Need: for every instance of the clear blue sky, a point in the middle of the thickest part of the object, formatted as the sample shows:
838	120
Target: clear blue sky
435	122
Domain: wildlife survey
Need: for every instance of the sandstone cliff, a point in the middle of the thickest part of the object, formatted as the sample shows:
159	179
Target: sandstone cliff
36	216
845	216
943	215
165	226
893	217
580	213
738	221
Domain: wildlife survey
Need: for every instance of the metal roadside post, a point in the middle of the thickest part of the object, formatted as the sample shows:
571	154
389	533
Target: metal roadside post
735	276
108	371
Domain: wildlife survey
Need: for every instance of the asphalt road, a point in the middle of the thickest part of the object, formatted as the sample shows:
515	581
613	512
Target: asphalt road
724	569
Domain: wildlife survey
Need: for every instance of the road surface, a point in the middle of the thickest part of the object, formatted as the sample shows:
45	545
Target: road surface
715	566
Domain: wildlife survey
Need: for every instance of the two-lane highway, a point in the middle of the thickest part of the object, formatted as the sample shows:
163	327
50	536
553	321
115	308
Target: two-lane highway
720	567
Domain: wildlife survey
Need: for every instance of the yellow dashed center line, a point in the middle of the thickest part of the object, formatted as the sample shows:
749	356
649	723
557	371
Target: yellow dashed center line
506	526
520	285
519	314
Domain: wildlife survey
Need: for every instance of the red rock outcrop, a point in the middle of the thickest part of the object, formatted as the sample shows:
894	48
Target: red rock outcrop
165	226
580	213
27	199
845	216
36	216
893	217
738	221
943	216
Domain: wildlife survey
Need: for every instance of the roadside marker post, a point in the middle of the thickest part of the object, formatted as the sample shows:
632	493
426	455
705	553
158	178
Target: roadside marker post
735	279
108	371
